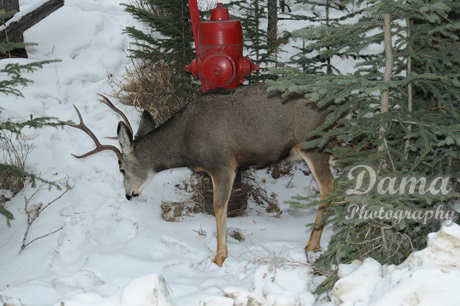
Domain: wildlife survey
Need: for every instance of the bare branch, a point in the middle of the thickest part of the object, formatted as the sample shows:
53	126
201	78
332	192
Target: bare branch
34	213
40	237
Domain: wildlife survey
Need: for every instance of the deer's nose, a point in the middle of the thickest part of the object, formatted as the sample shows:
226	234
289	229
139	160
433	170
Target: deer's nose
131	196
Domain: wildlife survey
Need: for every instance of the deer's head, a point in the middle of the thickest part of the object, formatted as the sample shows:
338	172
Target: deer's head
135	172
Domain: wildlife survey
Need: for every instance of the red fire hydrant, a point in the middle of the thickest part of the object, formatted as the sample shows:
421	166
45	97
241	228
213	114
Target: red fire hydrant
219	48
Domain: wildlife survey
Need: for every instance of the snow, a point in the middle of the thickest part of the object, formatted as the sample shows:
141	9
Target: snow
111	252
105	244
357	285
427	277
148	290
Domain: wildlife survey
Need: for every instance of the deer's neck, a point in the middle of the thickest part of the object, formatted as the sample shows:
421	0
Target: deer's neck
162	148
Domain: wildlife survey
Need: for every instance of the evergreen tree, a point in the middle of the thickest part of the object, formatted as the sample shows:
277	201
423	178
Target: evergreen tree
168	38
253	14
308	60
404	103
10	80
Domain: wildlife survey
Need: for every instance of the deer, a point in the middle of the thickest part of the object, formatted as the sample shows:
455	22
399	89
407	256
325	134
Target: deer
219	134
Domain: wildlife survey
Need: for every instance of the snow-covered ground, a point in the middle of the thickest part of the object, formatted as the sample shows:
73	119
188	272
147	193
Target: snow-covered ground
107	251
106	241
427	277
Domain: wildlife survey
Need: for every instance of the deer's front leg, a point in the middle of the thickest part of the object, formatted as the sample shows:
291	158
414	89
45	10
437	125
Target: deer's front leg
222	187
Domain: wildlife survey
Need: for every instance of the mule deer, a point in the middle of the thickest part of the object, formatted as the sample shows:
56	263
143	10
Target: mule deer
219	134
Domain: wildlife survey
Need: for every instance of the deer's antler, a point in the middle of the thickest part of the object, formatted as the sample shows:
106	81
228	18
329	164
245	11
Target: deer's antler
110	104
99	146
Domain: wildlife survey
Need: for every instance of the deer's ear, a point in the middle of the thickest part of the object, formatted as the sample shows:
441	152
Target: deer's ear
124	137
146	125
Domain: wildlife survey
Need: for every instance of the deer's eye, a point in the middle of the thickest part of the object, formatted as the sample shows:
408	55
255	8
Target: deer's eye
122	171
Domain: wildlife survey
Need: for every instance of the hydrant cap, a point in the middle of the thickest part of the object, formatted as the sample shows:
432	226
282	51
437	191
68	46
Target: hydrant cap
220	13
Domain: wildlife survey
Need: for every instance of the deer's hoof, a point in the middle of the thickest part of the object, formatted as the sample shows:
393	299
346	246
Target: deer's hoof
219	259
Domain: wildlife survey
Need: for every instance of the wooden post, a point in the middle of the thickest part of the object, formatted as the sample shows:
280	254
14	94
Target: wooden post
15	29
12	5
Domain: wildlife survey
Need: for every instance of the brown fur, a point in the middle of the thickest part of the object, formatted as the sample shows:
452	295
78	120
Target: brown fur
220	133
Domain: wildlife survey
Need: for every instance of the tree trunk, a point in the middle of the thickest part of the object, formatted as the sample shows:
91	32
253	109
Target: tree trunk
385	96
409	86
13	5
284	6
238	201
272	29
328	60
455	16
389	62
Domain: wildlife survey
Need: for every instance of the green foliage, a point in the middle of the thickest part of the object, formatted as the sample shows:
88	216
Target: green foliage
14	78
19	172
168	38
171	20
424	141
16	127
253	14
5	212
10	80
15	171
308	59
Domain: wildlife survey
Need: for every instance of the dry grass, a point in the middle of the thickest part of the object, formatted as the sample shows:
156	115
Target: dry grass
152	86
3	199
11	182
260	195
14	152
200	201
176	211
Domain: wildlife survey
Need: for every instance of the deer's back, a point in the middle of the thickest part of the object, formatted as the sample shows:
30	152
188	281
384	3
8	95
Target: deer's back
250	125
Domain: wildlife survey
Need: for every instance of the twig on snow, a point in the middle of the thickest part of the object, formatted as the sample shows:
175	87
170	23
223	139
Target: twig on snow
34	212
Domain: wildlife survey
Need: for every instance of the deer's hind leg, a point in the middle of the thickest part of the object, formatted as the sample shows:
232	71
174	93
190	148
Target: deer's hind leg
319	166
222	182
